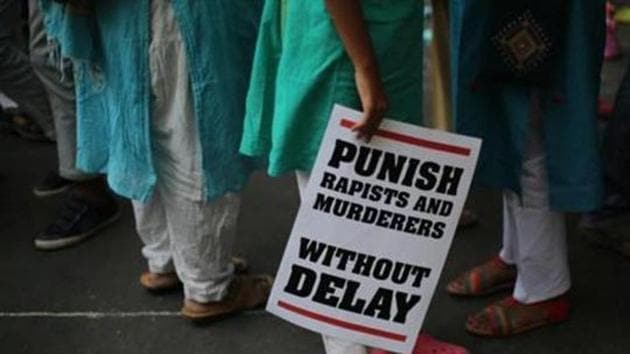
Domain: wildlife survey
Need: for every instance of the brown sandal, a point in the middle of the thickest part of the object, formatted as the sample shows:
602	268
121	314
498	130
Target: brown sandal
509	317
491	277
245	292
159	282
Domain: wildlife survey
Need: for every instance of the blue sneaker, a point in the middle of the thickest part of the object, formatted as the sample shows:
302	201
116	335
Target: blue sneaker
79	219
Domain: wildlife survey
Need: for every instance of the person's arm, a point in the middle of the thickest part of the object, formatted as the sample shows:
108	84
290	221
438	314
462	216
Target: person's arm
347	16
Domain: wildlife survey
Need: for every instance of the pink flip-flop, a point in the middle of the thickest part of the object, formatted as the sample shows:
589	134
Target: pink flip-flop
429	345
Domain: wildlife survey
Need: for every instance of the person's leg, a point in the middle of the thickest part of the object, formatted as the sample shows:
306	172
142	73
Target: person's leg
538	232
606	227
334	345
541	257
302	182
202	236
534	237
17	78
153	231
90	205
201	232
499	272
535	240
57	77
152	228
56	74
509	250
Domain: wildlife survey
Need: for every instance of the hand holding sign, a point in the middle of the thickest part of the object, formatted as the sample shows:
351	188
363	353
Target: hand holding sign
373	232
373	100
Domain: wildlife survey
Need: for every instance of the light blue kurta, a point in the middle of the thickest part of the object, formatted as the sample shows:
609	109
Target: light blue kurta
111	55
498	112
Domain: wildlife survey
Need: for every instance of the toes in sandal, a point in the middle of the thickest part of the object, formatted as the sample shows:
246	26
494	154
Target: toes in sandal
245	292
429	345
493	276
509	317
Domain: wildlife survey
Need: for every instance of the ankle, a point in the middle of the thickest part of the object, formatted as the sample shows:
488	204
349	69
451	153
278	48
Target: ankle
558	308
94	191
498	260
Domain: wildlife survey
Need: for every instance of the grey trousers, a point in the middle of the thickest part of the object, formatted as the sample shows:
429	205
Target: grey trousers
17	78
56	74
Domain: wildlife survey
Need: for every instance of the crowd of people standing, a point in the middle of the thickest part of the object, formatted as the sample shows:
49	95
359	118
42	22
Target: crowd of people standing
173	104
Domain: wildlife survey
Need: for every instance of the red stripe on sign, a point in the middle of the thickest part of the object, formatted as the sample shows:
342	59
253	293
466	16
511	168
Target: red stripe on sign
434	145
343	324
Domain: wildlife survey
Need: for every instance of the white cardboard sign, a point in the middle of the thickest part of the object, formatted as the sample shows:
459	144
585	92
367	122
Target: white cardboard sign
373	232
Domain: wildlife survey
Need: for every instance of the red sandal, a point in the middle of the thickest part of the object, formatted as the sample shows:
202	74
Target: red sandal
509	317
491	277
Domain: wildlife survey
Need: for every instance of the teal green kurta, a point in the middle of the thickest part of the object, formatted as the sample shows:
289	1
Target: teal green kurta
110	49
498	113
301	70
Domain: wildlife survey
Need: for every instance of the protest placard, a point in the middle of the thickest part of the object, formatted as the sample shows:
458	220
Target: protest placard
373	232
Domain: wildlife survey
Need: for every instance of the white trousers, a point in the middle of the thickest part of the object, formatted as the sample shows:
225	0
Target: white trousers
534	237
180	230
193	238
332	345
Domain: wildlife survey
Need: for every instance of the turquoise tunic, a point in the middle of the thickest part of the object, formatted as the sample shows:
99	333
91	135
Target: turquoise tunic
301	70
111	53
498	113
